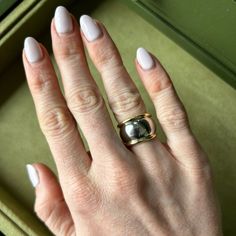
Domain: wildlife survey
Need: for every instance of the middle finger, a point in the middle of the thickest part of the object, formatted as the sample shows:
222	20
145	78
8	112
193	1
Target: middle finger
124	98
81	92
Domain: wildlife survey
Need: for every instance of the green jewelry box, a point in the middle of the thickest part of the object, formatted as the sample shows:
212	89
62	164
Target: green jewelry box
6	6
210	102
206	29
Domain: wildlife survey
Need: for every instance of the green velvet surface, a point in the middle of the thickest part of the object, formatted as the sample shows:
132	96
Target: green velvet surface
210	102
203	24
5	6
202	28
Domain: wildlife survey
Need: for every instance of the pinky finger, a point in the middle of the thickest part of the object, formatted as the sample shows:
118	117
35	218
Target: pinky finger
170	110
50	205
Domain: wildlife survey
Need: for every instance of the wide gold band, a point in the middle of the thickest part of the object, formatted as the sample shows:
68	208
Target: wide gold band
137	129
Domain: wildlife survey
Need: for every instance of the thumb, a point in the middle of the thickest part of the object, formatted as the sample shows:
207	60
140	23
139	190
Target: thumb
50	205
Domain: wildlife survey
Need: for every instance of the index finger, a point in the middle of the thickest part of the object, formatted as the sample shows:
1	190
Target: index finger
54	117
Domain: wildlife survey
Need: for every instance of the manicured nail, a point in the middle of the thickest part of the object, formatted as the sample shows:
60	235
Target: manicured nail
63	21
32	49
144	59
33	175
89	27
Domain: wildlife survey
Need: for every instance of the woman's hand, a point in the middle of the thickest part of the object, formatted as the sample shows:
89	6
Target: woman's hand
147	189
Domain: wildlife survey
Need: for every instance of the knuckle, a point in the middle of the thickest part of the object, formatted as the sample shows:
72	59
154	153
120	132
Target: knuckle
173	118
71	53
162	75
108	57
43	79
159	82
126	101
48	212
44	210
67	229
69	49
72	60
56	122
85	100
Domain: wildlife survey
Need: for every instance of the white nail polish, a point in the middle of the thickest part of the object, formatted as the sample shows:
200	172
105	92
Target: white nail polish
32	50
33	175
144	59
89	27
63	21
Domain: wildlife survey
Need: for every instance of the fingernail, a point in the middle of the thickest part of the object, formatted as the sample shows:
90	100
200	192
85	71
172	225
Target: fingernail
144	59
33	175
32	49
63	21
89	27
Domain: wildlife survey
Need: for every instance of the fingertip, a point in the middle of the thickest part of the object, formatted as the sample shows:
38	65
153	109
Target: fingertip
33	175
91	29
41	176
32	50
52	26
50	205
45	173
63	21
44	181
144	59
152	73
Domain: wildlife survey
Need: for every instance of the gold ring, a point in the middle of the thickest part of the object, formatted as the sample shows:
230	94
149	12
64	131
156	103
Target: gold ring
137	129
